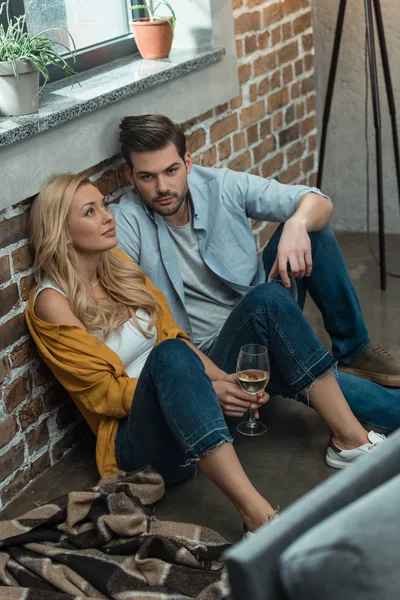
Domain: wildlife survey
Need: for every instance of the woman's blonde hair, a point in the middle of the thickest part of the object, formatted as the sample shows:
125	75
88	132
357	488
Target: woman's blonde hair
55	258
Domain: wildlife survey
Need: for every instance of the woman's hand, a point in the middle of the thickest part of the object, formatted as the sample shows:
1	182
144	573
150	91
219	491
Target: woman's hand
234	401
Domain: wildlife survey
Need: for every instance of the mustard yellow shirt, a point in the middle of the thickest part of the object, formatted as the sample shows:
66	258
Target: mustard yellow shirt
93	374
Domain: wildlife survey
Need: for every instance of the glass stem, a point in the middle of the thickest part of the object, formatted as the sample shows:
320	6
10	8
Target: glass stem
251	416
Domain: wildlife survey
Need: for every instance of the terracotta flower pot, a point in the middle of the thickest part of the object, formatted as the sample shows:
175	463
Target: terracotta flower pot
153	38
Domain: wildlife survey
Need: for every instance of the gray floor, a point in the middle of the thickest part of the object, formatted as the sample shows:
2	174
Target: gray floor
284	463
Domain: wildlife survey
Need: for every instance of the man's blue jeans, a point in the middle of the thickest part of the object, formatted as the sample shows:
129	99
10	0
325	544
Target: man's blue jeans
333	292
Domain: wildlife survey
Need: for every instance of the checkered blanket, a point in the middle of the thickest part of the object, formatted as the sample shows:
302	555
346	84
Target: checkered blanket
104	543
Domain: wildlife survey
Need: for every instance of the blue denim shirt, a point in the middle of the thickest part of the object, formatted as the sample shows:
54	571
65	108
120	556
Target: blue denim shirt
223	200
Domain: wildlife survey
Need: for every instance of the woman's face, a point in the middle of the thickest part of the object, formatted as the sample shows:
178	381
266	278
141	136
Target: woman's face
90	223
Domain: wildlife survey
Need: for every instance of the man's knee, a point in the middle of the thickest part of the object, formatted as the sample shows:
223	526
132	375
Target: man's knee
268	297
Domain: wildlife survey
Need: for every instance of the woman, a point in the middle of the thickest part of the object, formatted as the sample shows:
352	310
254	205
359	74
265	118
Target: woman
147	393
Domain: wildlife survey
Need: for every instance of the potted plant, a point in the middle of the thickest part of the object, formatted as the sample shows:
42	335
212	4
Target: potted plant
154	34
23	58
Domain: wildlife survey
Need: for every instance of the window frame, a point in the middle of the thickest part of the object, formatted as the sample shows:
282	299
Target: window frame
92	56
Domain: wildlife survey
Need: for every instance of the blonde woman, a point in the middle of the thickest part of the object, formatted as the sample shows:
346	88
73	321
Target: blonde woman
147	393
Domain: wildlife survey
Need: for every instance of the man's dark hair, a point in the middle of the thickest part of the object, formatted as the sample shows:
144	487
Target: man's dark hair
146	133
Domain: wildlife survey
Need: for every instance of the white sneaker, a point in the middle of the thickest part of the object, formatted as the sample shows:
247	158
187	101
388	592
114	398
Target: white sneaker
340	459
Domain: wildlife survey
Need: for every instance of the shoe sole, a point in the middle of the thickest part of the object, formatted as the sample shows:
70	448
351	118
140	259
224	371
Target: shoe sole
386	380
336	463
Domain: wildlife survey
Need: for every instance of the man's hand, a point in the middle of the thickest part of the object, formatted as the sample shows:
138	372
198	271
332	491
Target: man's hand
294	248
234	401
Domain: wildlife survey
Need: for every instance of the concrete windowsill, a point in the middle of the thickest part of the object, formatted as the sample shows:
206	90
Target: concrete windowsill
103	86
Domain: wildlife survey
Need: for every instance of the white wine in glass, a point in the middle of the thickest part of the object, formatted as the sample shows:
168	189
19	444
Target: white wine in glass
253	372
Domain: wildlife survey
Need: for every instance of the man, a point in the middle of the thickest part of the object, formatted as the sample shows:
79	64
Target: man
187	226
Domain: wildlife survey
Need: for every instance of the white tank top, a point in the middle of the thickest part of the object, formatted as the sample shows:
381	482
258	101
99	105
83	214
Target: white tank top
130	344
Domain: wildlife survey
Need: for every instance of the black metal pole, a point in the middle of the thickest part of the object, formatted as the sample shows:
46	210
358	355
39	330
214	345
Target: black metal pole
378	137
389	89
329	91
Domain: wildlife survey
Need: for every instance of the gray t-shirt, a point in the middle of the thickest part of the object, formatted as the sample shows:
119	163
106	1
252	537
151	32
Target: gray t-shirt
208	300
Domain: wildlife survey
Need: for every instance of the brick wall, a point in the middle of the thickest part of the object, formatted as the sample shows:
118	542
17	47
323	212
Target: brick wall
269	129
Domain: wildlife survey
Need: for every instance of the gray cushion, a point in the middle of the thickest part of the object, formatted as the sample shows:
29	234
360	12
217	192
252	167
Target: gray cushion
352	555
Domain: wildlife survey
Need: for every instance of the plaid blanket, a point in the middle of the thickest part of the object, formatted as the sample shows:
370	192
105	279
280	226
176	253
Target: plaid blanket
104	543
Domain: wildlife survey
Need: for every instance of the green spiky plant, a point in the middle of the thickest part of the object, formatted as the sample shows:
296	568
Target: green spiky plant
152	12
16	44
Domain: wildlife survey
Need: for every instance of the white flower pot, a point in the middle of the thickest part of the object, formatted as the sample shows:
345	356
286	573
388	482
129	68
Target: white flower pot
16	96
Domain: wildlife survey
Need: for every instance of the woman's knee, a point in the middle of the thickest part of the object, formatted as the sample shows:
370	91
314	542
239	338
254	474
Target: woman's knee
174	353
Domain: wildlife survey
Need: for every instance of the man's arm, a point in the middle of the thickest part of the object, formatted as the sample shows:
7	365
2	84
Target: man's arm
312	214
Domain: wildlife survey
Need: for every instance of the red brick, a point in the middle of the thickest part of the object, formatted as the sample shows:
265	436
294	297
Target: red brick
298	67
5	272
224	149
312	143
277	121
302	23
12	330
307	164
255	171
288	135
307	41
241	162
67	415
250	44
252	135
42	376
253	96
13	230
262	150
22	258
11	460
312	180
72	437
25	286
239	48
252	3
287	31
8	298
244	72
295	90
265	127
123	176
209	157
23	353
54	397
263	40
196	140
224	127
252	113
272	13
237	4
277	100
300	111
263	86
31	412
221	109
290	174
17	392
276	35
205	116
291	6
4	368
288	52
308	62
287	74
25	477
272	166
37	438
248	21
289	114
264	64
307	85
295	151
310	104
8	428
236	102
107	183
307	125
191	123
266	233
239	141
275	81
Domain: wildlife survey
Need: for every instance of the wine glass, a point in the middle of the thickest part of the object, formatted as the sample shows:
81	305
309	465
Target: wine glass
253	373
293	285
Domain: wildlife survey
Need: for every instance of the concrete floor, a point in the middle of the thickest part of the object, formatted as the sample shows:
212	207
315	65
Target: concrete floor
284	463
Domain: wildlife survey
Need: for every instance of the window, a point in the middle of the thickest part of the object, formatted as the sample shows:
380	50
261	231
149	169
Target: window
100	28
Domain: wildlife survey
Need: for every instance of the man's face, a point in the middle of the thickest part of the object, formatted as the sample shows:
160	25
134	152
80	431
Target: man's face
160	178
